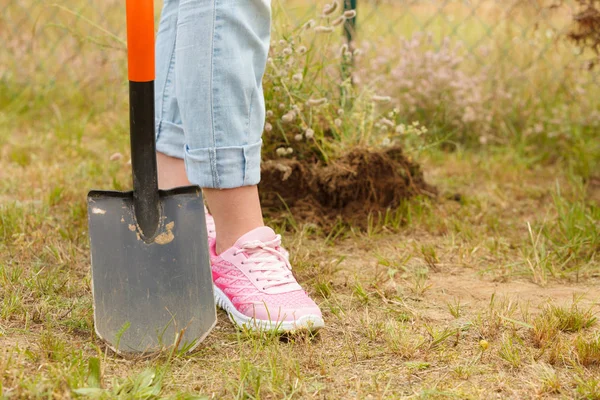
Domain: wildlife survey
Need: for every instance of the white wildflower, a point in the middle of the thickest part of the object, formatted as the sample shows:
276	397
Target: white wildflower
344	49
309	24
301	50
289	150
280	152
281	106
297	77
338	21
323	29
381	99
116	157
298	137
316	102
287	51
268	127
328	9
289	116
387	122
309	133
340	112
350	14
338	122
269	113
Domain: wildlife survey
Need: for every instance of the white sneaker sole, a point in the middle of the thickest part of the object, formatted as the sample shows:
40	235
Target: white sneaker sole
307	322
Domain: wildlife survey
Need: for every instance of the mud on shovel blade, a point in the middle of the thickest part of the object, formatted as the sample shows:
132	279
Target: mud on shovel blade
151	277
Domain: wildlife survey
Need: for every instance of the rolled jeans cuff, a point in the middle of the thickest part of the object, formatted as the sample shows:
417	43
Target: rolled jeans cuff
230	167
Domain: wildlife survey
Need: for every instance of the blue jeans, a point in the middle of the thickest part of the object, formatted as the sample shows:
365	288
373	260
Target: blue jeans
210	108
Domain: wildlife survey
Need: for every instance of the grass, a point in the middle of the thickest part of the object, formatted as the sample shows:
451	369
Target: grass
490	288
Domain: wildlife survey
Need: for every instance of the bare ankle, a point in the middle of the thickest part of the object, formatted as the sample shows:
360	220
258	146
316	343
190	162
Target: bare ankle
236	212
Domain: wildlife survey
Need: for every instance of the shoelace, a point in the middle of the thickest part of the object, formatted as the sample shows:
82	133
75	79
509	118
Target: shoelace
267	258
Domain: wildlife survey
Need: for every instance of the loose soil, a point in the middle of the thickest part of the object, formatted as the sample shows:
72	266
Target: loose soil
348	188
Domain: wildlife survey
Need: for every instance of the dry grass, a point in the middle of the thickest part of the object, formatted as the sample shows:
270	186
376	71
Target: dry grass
389	332
491	290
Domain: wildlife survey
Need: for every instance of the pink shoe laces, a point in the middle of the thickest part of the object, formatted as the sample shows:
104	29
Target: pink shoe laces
268	260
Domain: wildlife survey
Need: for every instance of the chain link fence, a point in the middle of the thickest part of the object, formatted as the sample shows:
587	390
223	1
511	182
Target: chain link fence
532	33
82	42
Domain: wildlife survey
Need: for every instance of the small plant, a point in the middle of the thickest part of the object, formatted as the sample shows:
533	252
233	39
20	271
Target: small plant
455	308
549	380
361	293
430	256
555	319
538	258
437	337
588	350
545	329
419	281
575	233
323	287
399	340
571	319
588	388
509	352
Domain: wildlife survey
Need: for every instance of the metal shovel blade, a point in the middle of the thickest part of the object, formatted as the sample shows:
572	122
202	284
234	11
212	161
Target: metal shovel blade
156	293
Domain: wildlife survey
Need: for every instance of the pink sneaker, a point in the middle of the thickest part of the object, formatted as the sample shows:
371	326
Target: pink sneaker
253	282
212	232
210	226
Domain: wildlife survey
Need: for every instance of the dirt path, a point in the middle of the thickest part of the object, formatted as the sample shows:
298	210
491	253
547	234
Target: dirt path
472	289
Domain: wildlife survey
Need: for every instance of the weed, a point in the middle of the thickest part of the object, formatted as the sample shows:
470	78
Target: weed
575	232
399	340
454	308
548	378
360	292
419	281
588	350
510	352
588	388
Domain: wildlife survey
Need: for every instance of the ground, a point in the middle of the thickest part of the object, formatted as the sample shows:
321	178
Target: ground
485	287
444	304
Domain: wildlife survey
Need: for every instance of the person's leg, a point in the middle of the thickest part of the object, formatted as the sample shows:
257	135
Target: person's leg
229	207
170	139
221	55
236	211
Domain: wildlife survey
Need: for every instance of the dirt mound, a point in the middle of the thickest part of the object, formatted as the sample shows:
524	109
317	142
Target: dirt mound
350	187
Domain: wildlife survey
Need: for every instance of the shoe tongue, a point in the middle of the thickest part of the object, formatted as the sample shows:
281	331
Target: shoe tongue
263	234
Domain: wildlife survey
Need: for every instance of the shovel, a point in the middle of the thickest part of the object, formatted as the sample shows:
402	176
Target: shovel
151	277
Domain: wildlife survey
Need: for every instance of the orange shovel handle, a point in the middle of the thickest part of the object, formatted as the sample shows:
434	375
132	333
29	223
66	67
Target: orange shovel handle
140	40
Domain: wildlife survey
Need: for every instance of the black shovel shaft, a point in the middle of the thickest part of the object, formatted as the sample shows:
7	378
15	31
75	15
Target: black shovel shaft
143	157
140	51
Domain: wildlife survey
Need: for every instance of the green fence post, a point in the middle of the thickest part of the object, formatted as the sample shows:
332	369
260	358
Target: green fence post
350	24
347	65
